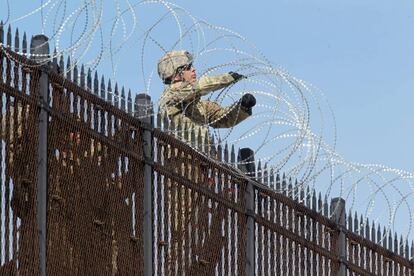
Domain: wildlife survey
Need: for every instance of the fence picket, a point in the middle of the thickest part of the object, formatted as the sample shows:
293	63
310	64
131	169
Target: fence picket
123	99
82	77
412	251
9	37
8	61
192	137
226	153
390	247
116	96
109	94
103	90
199	141
1	32
129	107
16	41
272	183
277	182
89	81
407	250
325	207
68	69
96	84
24	44
61	66
16	64
367	251
259	172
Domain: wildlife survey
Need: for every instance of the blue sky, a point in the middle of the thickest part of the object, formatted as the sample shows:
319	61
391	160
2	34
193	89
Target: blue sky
359	53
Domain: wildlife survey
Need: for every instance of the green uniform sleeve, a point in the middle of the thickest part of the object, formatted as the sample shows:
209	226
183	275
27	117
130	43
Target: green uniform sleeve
208	84
187	92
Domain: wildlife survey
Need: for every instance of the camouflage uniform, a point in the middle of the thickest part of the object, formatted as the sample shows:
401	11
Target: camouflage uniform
182	101
20	115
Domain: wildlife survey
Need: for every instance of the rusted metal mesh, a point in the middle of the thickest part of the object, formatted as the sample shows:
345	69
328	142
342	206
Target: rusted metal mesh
368	258
18	164
292	239
95	169
199	213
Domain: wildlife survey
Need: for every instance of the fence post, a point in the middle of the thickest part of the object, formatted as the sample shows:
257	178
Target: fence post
39	50
144	112
338	214
246	158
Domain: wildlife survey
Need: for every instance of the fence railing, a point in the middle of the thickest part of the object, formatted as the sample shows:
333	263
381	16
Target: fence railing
150	197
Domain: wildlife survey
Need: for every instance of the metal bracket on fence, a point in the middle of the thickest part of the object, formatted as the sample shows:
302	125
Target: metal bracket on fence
149	161
146	126
250	213
43	104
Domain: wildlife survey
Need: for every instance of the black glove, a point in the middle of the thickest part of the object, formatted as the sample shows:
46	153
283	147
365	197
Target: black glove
247	102
236	76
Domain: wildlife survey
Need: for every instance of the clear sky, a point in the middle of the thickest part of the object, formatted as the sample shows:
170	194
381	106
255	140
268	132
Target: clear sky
359	53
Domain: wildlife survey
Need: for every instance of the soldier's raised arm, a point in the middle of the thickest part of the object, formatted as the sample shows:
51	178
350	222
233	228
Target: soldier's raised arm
208	84
186	92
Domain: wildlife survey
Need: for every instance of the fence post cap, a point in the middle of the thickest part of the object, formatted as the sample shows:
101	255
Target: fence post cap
338	200
246	154
338	210
143	96
246	161
39	48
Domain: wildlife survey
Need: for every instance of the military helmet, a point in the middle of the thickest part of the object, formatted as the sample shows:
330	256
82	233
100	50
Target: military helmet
171	62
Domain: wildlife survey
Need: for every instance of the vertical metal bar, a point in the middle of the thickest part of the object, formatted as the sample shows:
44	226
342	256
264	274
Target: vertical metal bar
144	112
246	164
338	214
39	49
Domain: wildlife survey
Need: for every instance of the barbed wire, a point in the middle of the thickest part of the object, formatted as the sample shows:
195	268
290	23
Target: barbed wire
292	128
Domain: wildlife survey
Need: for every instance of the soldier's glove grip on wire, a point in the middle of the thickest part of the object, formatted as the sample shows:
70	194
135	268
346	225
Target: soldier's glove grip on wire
237	76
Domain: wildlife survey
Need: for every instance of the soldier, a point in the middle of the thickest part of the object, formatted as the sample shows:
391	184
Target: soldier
182	95
181	100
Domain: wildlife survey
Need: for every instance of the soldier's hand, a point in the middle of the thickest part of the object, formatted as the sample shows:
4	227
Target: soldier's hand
236	76
248	100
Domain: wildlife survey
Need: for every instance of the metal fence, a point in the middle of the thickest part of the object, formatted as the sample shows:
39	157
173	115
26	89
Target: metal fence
88	189
73	178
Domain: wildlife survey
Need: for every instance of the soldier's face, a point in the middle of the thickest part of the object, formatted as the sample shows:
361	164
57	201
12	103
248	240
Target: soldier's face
189	74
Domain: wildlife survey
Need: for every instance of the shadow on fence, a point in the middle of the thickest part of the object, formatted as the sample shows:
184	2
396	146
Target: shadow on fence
87	188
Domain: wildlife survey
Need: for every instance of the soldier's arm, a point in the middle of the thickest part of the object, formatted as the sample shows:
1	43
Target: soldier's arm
208	84
189	92
224	117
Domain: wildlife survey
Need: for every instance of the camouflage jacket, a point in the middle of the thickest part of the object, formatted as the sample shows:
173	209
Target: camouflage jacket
181	96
